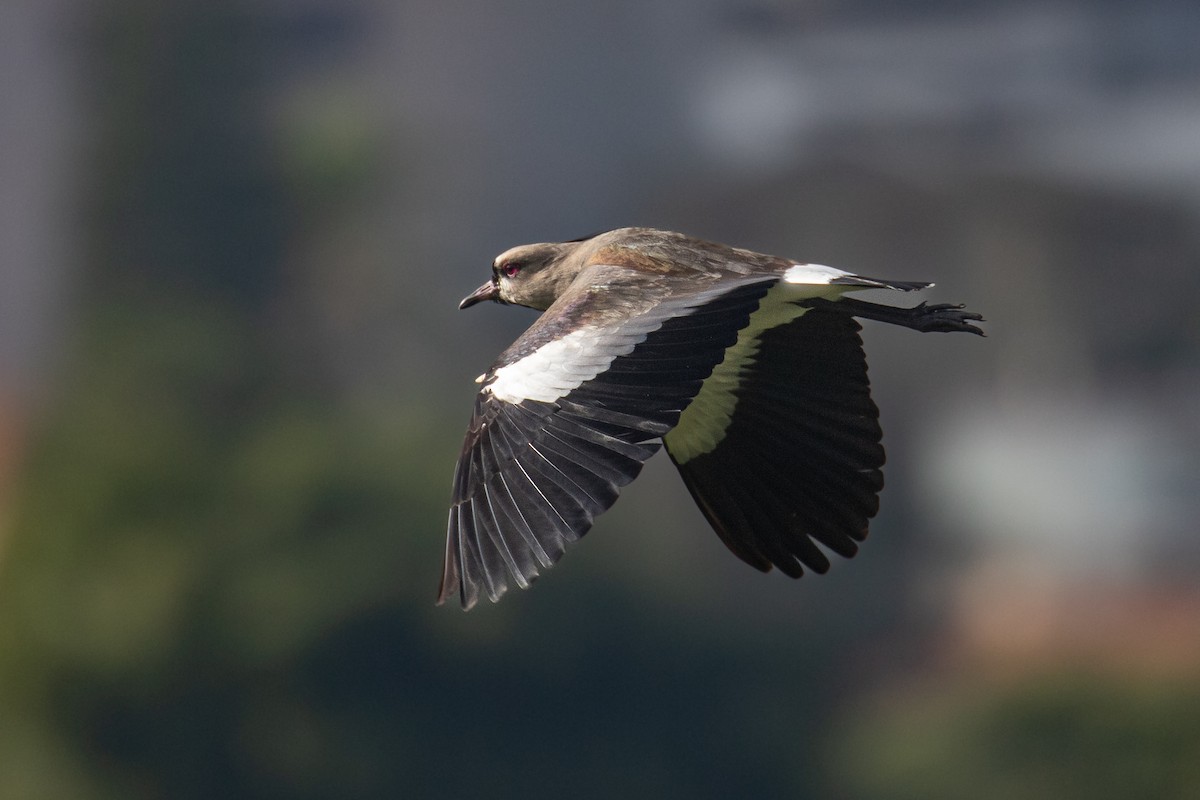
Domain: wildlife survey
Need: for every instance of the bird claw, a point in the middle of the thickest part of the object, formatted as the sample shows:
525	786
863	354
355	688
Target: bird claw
944	318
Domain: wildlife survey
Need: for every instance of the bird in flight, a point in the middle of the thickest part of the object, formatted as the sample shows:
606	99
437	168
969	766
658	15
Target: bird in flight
748	368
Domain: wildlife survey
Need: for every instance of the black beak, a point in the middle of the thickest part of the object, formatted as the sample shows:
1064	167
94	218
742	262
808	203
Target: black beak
489	291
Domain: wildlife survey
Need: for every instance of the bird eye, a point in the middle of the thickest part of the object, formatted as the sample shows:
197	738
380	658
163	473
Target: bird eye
510	270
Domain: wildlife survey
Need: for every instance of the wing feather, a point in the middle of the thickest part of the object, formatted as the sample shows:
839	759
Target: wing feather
534	473
800	461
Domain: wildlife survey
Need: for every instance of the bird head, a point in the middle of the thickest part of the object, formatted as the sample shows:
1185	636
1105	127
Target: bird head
531	275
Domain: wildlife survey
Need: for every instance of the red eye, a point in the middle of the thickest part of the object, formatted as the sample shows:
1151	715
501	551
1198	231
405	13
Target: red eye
511	270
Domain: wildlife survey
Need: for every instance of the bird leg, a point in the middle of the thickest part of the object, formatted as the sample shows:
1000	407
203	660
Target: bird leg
940	317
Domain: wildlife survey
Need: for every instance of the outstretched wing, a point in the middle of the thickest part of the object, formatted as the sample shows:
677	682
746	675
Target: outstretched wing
782	449
563	421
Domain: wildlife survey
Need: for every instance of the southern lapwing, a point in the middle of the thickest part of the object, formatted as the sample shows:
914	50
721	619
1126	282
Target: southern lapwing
748	367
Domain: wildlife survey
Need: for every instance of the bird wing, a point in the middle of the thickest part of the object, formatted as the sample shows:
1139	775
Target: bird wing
569	414
782	446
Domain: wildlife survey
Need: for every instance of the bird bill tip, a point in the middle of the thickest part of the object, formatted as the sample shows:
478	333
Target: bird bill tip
489	291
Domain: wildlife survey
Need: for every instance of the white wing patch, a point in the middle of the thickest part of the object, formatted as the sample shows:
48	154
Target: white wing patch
703	423
817	274
564	364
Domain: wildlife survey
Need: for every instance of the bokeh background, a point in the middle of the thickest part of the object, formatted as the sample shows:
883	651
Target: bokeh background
233	385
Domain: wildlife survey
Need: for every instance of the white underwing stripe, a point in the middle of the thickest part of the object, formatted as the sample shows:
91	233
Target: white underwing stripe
557	367
703	423
564	364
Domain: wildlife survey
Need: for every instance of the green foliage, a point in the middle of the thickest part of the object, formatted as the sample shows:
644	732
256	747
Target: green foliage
1048	735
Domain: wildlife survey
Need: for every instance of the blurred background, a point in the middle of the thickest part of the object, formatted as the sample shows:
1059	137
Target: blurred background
233	385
